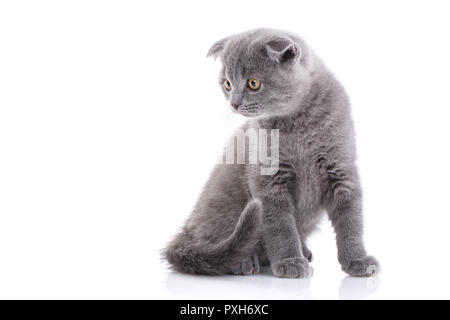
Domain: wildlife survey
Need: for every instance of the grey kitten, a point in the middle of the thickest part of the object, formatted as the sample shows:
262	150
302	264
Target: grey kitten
244	219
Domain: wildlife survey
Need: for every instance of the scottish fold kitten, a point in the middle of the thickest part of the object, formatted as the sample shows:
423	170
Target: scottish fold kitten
244	219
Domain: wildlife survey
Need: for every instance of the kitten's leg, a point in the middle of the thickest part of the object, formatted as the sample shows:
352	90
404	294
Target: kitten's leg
280	235
345	214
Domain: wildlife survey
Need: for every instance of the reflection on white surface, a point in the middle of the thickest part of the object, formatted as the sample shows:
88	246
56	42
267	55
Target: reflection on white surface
262	286
358	288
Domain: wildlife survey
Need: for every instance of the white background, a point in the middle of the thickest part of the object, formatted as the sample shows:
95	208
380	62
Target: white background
111	120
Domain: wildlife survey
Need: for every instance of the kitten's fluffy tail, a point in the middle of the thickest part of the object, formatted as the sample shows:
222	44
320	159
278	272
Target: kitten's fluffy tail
188	257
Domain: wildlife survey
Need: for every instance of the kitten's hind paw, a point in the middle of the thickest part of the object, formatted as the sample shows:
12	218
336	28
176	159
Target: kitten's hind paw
292	268
248	266
364	267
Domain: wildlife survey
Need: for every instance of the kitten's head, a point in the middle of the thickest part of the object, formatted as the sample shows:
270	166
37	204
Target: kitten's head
265	72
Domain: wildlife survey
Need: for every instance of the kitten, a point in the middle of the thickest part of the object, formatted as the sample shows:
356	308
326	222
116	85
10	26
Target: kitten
244	219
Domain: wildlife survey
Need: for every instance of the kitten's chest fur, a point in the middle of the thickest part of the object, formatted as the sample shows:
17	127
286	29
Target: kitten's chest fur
300	153
298	150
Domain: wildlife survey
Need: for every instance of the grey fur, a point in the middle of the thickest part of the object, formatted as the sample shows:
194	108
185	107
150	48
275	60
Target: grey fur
242	214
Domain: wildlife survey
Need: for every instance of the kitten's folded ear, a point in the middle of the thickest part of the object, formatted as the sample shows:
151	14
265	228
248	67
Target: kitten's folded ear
283	50
217	47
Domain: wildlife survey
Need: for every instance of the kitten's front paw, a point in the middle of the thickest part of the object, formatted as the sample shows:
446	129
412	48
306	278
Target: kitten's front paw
364	267
248	266
292	268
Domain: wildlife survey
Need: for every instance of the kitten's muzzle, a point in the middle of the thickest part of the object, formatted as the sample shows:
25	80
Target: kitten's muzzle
249	110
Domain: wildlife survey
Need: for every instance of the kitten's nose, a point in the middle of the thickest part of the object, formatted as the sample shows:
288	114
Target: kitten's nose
235	105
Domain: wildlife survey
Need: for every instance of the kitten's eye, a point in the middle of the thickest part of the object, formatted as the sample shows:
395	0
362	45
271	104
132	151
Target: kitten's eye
227	85
254	84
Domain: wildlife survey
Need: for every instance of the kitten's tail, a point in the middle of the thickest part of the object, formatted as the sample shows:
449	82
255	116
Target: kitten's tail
186	256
